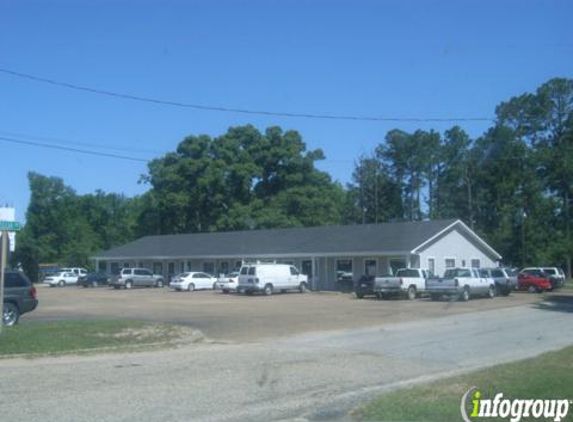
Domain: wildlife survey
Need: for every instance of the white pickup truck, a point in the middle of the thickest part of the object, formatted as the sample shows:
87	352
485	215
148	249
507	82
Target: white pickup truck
408	281
461	283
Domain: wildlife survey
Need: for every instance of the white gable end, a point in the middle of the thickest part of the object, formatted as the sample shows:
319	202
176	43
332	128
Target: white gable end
454	248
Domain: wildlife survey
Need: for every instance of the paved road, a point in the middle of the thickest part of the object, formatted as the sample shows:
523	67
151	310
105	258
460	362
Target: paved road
311	376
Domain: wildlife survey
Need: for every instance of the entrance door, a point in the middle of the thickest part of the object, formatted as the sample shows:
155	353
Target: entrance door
370	267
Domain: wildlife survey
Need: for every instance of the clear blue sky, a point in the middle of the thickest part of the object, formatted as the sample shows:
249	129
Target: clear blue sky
429	59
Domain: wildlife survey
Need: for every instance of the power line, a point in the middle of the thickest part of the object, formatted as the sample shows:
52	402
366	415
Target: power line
85	144
81	151
238	110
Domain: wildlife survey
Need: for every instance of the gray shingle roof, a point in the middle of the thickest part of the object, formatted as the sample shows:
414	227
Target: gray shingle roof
328	240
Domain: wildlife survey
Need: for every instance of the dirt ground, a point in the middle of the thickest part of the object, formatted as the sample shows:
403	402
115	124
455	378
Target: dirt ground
230	317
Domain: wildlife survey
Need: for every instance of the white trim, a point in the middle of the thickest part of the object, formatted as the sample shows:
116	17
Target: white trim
468	230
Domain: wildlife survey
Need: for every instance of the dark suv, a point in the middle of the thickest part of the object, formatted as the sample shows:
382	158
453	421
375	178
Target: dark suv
94	279
19	297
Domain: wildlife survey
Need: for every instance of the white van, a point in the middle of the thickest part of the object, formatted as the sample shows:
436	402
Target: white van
269	278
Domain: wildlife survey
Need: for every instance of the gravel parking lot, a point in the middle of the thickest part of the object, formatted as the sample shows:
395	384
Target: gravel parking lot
229	317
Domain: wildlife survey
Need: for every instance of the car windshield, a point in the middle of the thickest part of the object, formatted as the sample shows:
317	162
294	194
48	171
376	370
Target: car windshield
287	210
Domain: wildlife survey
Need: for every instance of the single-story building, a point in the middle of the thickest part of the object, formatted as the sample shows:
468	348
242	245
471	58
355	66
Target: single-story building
332	256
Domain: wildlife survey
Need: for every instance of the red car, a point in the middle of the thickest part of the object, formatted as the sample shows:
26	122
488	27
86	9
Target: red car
534	281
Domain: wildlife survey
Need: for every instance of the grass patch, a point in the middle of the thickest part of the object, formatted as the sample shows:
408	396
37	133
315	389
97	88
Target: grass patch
41	338
548	376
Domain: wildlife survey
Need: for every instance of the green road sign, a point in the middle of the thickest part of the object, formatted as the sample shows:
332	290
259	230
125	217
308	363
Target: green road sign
10	226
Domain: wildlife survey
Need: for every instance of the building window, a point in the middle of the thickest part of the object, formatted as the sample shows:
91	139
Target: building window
209	267
343	270
157	268
450	262
476	263
432	265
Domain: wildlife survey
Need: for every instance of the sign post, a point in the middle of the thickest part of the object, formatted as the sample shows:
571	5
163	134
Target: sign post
5	227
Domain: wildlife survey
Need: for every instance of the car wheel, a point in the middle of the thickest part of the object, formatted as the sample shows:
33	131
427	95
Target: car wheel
128	285
491	292
159	283
412	292
465	295
11	314
61	283
268	290
532	289
302	288
191	287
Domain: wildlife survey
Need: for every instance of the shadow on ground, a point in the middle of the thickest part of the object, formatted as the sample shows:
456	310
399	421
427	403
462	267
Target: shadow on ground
556	303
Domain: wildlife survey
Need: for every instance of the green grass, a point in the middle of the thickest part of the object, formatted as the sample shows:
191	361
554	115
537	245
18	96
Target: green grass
41	338
549	376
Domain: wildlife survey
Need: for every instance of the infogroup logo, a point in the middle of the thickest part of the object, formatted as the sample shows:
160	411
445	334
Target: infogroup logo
512	409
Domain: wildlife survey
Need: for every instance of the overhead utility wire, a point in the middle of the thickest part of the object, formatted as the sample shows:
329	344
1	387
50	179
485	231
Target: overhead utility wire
82	151
238	110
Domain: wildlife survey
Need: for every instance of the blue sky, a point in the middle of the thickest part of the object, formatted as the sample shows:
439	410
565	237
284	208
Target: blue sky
427	59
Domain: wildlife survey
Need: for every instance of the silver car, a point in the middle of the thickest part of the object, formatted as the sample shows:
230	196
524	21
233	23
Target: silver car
136	277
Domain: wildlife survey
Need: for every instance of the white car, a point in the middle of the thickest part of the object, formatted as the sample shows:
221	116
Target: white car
193	281
228	282
61	279
80	272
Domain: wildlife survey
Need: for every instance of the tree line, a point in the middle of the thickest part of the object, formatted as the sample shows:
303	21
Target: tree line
512	185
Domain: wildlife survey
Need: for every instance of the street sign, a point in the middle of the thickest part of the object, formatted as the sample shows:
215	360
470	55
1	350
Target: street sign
9	226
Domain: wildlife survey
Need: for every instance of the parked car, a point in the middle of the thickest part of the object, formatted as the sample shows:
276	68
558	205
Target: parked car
20	297
409	282
534	280
193	281
61	279
136	277
94	279
505	279
364	286
268	278
460	283
228	282
556	276
76	270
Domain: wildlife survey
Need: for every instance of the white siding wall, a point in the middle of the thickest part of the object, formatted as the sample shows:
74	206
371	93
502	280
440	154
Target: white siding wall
454	246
